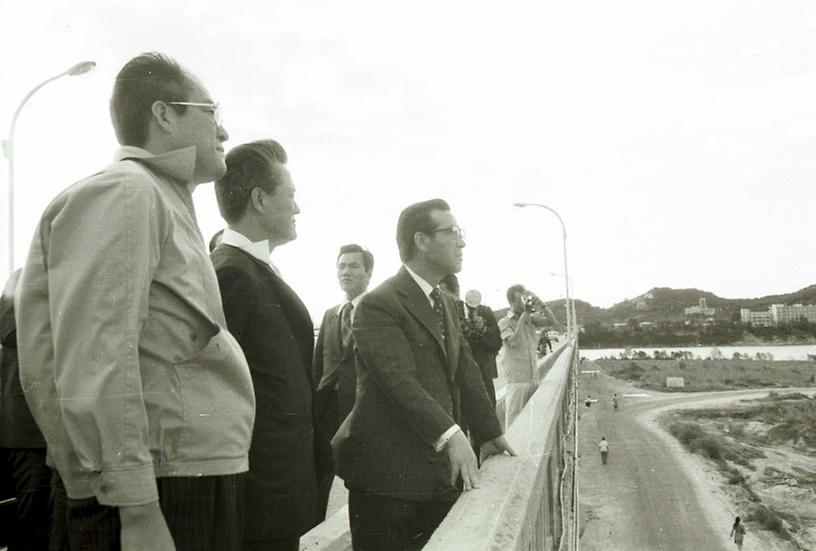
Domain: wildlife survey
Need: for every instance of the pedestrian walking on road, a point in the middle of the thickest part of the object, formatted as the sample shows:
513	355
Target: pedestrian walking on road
588	401
604	447
737	532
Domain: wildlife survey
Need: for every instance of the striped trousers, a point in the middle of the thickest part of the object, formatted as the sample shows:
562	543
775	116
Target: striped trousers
203	514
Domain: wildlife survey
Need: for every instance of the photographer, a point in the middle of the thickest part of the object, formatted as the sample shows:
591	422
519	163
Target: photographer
520	349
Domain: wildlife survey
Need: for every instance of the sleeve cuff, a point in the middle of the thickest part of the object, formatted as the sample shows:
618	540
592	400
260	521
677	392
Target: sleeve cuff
440	443
135	486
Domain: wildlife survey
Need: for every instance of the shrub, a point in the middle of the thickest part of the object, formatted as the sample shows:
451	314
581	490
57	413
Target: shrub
769	521
710	447
735	477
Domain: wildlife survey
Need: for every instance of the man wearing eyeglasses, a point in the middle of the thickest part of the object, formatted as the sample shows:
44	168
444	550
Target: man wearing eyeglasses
401	452
144	398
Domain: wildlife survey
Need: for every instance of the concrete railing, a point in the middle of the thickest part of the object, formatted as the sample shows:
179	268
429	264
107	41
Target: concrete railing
518	502
544	366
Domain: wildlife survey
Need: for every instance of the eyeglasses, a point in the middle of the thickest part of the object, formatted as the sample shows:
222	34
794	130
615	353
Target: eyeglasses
216	109
453	230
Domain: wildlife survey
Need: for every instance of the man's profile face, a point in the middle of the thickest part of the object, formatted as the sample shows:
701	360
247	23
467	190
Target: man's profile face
352	275
197	127
280	208
444	248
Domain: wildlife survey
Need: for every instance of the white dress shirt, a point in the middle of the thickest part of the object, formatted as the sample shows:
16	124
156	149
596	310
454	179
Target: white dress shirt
258	249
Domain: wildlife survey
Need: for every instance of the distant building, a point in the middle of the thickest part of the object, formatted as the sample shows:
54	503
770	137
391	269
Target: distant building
781	314
758	319
701	309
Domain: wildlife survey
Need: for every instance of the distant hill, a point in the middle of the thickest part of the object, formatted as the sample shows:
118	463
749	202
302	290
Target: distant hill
665	304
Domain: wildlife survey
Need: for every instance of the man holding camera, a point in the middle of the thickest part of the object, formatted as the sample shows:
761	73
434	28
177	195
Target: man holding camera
520	350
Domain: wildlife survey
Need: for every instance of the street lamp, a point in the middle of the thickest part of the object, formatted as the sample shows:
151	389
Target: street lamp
570	314
572	292
8	145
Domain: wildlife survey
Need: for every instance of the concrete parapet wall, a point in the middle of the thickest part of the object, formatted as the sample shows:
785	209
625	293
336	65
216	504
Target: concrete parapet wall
543	367
333	534
517	505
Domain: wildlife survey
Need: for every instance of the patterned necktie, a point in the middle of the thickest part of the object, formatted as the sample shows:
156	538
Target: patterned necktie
345	326
439	308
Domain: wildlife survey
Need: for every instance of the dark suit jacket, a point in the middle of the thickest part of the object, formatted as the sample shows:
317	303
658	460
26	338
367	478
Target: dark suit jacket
485	346
332	406
411	388
17	426
286	457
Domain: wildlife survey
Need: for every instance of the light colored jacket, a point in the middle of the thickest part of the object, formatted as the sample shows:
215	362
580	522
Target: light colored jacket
124	356
520	348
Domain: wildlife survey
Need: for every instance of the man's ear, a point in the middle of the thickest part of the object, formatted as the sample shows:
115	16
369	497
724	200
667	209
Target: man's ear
257	199
163	116
420	241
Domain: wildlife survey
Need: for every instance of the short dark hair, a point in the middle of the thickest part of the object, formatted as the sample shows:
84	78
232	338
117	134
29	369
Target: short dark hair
416	218
144	80
512	290
249	166
368	258
451	282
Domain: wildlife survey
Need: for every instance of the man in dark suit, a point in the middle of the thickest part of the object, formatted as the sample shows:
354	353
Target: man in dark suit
273	327
333	366
401	452
482	333
334	353
480	329
22	445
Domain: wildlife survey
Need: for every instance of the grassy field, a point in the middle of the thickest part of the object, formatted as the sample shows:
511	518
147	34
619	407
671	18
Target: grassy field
700	375
766	450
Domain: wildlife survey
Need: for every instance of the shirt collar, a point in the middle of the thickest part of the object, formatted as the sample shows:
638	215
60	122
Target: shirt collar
424	285
355	301
258	249
178	164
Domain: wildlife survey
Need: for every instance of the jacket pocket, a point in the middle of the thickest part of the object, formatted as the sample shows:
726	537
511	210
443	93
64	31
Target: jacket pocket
218	401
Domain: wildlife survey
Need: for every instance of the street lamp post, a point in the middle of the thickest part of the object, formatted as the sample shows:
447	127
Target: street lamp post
8	146
569	304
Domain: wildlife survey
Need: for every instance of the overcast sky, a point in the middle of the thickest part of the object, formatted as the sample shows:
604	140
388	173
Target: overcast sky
677	139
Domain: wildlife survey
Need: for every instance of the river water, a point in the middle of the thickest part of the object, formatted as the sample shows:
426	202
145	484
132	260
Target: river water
779	352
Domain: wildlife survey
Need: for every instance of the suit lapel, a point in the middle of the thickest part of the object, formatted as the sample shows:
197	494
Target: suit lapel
337	333
295	312
418	304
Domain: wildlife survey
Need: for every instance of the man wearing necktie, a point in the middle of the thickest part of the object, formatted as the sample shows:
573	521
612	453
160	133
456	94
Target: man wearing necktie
401	452
333	367
334	354
288	457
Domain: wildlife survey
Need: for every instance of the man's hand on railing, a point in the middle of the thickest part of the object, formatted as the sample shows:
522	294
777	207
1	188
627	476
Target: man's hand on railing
496	446
462	461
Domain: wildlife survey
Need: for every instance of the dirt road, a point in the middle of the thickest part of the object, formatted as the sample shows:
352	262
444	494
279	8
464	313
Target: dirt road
650	495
